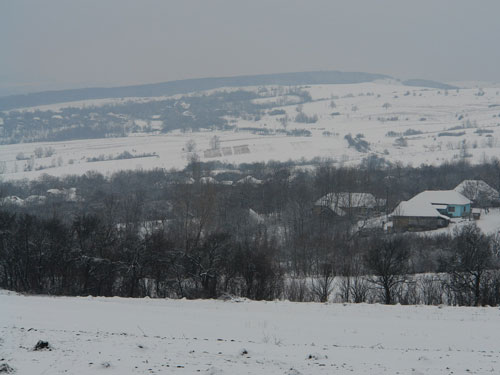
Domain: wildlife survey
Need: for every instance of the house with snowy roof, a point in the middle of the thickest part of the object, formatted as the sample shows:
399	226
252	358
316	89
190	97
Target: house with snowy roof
417	216
348	204
448	202
12	200
249	180
430	209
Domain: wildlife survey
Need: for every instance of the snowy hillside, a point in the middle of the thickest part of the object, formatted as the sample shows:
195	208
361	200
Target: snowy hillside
144	336
345	123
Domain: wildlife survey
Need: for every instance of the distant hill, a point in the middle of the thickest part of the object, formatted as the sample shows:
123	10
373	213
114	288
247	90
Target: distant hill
185	86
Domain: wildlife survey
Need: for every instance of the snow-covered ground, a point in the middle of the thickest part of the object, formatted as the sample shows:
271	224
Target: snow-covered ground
489	223
145	336
372	110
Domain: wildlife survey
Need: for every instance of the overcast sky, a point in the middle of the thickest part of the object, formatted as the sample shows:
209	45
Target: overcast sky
54	44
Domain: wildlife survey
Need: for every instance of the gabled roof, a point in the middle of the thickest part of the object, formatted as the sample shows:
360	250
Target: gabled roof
339	201
427	203
441	197
255	217
12	199
249	180
418	209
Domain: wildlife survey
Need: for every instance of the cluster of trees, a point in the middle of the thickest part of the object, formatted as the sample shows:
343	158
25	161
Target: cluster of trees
152	233
188	113
89	256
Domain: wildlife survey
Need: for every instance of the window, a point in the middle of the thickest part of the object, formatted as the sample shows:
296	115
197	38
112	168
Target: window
451	209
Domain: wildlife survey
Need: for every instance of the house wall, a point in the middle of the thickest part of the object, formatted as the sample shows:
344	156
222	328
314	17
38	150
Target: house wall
415	223
459	210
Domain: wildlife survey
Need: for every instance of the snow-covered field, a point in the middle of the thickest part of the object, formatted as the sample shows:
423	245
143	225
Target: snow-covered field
145	336
370	109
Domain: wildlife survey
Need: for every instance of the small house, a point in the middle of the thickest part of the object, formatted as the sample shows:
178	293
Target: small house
413	215
349	204
12	200
249	180
447	202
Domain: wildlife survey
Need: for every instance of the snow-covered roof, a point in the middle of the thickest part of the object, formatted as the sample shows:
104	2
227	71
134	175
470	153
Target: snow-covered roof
439	197
249	180
474	189
427	203
416	208
55	192
12	199
349	200
255	217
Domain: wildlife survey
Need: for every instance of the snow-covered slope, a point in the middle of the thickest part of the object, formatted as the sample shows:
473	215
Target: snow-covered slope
144	336
402	124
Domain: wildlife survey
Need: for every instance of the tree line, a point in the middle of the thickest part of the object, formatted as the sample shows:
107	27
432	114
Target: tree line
150	233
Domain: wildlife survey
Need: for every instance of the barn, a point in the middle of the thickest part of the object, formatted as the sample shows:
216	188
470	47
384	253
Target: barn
417	216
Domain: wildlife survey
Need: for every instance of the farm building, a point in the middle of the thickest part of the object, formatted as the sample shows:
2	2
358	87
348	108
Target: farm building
250	180
430	209
414	215
349	204
447	202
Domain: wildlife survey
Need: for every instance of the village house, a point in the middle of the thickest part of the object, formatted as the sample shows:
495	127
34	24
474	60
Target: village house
348	204
430	209
417	216
448	202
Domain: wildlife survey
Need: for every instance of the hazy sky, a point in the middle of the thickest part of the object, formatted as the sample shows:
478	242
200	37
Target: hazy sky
54	44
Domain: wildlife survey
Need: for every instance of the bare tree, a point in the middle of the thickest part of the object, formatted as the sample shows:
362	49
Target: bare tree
215	142
388	260
190	145
322	284
471	257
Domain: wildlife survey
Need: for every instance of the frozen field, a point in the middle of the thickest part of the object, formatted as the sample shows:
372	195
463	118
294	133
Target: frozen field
145	336
434	124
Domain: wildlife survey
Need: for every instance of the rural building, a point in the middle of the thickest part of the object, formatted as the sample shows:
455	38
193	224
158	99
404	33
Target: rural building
430	209
12	200
349	204
476	213
448	202
250	180
414	215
